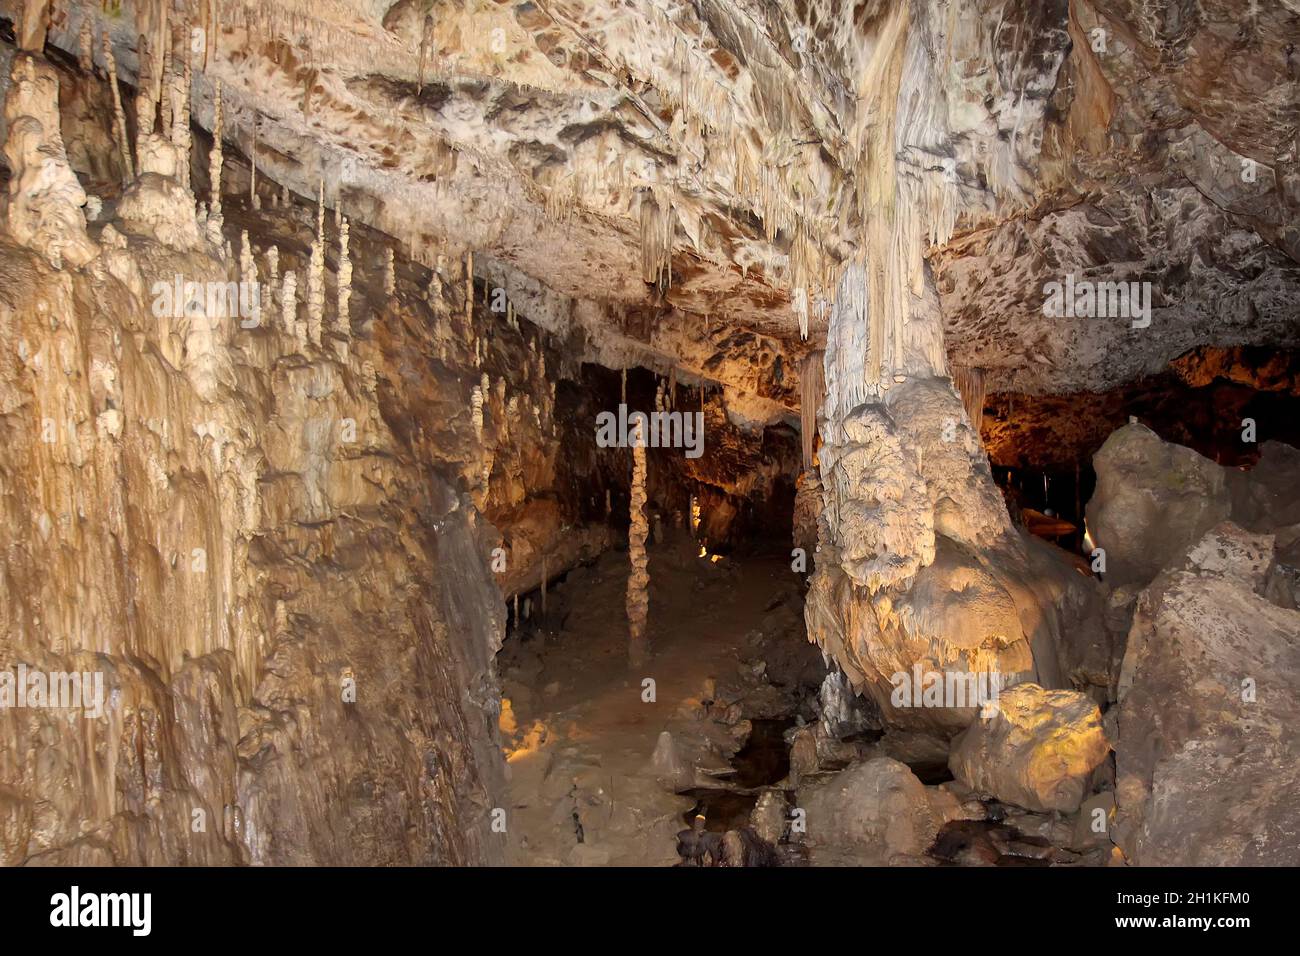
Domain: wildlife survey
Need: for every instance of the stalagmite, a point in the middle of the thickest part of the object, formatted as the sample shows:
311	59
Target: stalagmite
214	170
469	292
119	115
248	275
316	275
638	598
45	197
289	304
476	411
345	281
273	274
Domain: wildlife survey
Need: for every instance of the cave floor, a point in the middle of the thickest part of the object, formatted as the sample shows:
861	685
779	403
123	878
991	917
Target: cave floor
581	727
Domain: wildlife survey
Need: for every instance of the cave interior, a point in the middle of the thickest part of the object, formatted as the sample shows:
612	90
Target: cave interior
723	433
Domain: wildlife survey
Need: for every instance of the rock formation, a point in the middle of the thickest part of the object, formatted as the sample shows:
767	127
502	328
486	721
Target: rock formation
1207	762
1036	749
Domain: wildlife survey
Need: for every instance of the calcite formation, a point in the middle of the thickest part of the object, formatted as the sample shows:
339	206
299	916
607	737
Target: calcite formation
45	198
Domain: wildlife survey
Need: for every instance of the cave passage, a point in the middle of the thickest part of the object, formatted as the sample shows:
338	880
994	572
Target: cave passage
649	433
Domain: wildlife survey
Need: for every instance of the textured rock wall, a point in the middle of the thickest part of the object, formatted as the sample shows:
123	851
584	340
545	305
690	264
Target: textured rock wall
1207	763
274	551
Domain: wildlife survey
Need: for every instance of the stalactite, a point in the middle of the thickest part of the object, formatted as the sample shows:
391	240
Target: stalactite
182	80
86	46
638	598
34	21
812	393
119	114
214	170
146	107
345	281
253	199
656	238
970	386
390	273
164	99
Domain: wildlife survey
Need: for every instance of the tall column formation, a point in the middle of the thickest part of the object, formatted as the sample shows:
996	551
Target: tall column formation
638	581
918	563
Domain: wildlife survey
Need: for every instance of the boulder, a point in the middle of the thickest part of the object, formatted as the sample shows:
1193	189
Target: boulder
1038	750
1207	759
1154	499
873	813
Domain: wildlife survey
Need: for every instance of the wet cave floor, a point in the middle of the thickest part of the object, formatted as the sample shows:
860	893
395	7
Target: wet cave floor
729	668
608	763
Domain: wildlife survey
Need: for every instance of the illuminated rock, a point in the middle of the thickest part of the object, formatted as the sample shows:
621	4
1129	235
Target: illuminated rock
1038	750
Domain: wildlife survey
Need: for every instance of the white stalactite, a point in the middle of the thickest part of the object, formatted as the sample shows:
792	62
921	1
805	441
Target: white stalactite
119	114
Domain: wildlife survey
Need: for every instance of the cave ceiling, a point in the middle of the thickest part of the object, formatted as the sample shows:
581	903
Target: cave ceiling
574	146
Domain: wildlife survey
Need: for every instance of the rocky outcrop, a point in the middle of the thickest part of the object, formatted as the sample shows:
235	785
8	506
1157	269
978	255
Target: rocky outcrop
1037	749
1153	501
1207	763
874	813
